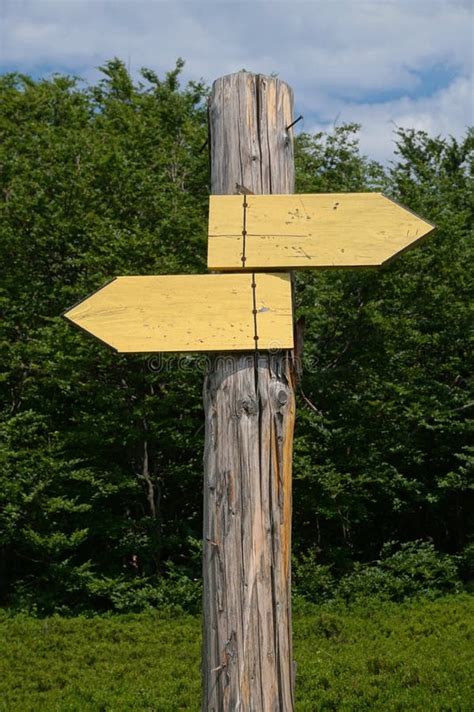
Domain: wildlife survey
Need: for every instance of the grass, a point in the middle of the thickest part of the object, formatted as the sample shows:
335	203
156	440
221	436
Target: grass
388	657
380	656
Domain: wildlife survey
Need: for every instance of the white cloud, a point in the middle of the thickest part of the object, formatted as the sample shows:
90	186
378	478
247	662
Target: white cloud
339	55
447	112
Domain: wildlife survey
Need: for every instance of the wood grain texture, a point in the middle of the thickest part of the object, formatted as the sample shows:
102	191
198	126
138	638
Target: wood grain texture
307	231
250	415
190	313
249	411
254	110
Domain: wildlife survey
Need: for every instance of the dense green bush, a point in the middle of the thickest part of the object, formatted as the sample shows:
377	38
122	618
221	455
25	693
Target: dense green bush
403	571
311	580
466	565
411	569
84	591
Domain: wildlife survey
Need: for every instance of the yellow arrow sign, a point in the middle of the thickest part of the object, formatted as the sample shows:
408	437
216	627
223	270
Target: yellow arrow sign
215	312
302	231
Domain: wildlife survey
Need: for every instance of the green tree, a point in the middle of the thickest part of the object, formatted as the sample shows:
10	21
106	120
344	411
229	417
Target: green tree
100	476
380	449
101	461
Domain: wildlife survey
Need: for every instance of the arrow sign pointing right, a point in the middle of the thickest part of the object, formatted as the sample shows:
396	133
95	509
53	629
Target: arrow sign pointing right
302	231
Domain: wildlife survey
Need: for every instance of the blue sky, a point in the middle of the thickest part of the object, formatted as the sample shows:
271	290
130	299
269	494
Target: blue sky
383	63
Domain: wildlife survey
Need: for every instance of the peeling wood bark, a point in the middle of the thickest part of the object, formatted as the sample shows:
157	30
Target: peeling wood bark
249	410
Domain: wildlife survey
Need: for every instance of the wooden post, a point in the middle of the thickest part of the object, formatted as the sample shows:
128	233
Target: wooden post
249	411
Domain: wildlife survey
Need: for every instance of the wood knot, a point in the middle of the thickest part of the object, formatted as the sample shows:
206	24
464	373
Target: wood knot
248	406
282	397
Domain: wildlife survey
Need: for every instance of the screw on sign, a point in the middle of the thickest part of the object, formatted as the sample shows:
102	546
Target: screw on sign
249	403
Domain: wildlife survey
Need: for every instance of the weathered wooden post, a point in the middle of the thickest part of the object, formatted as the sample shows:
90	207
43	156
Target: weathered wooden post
246	316
249	410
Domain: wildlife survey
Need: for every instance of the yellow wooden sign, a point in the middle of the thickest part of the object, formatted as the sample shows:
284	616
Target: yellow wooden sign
215	312
305	231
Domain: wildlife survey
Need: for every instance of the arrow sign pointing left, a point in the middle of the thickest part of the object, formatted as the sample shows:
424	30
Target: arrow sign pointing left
214	312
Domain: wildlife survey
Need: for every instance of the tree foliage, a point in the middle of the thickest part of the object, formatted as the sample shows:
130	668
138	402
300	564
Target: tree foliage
100	477
382	448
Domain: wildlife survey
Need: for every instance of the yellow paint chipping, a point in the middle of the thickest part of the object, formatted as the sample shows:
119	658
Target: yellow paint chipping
189	313
307	231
